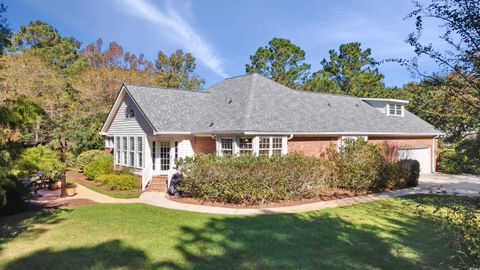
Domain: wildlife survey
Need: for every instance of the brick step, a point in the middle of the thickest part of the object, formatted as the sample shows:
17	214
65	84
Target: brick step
157	184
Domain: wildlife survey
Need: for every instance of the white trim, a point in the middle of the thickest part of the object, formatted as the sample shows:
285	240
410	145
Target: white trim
386	100
352	133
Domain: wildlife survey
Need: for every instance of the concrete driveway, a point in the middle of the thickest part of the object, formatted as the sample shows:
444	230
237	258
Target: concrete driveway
464	184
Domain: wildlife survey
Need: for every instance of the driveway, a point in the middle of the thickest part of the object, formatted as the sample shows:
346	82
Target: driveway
464	183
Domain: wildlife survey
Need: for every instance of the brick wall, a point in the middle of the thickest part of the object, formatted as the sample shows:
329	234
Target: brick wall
311	146
204	145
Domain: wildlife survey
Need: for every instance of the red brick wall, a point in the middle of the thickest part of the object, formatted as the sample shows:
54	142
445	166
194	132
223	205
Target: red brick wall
311	146
204	145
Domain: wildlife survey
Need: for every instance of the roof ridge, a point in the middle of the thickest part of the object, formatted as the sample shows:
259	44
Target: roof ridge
167	88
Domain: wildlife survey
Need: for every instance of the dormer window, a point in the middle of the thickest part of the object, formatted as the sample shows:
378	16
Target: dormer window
129	112
395	109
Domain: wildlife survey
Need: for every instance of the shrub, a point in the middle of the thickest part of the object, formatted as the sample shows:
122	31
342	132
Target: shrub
448	162
357	165
251	180
101	165
411	171
119	181
88	156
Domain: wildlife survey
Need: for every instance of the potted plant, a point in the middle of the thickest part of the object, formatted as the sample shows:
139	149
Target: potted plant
54	184
71	189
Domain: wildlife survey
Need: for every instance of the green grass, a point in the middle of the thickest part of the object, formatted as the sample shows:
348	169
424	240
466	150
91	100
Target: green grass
383	234
104	190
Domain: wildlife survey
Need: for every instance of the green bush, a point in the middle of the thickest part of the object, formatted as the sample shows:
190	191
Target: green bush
449	162
86	157
101	165
357	164
252	180
119	181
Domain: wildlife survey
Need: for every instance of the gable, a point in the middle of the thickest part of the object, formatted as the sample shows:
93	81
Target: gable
118	123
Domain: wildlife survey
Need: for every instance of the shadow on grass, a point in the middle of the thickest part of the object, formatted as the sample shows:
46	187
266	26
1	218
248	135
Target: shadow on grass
25	223
310	241
108	255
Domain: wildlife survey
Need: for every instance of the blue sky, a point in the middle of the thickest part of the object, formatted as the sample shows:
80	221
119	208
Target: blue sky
222	34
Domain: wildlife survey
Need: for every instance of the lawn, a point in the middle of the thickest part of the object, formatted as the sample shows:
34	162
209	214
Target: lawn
95	186
376	235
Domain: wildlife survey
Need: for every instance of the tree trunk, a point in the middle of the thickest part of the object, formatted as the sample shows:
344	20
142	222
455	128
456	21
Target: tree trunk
37	132
63	158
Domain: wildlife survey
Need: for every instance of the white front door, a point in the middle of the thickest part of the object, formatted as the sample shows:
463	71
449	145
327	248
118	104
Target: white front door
163	155
422	155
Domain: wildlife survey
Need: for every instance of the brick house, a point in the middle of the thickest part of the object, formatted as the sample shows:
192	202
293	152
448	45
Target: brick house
149	127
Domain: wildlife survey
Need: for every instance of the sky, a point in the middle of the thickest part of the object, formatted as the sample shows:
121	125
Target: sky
223	34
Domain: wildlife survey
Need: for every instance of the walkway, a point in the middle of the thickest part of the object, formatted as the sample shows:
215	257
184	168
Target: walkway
440	183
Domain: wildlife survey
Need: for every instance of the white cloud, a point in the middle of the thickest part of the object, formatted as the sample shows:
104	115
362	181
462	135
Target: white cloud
182	32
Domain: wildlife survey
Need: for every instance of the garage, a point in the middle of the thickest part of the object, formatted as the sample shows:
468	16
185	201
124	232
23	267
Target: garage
422	155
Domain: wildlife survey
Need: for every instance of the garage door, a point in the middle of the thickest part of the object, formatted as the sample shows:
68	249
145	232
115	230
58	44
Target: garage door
422	155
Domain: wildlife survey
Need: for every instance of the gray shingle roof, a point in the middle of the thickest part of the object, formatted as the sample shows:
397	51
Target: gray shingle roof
252	103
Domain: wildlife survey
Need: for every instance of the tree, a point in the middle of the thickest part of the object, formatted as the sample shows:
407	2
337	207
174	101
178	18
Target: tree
350	71
5	32
41	39
177	71
282	61
433	102
459	64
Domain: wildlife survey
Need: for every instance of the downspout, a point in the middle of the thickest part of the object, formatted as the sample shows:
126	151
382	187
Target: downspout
290	137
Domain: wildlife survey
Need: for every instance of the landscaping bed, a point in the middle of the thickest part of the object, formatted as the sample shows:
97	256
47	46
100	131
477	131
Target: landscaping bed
79	178
332	195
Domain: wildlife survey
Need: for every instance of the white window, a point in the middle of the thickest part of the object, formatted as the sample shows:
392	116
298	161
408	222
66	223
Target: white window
264	146
276	146
246	146
164	155
269	146
129	112
124	150
117	151
395	109
140	151
226	145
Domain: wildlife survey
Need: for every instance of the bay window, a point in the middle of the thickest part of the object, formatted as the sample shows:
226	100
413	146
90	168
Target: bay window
117	151
140	151
124	150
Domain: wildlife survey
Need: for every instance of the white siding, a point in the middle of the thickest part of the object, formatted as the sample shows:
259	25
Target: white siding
129	126
185	148
379	105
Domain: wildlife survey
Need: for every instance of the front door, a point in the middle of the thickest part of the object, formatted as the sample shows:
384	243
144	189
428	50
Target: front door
163	152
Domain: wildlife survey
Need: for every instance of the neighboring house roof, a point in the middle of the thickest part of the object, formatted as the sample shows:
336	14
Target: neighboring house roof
253	103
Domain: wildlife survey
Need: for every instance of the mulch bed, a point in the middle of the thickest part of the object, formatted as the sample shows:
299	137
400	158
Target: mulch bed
332	195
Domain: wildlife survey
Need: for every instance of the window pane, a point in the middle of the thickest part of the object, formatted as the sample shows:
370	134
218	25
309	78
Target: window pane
164	156
124	153
227	146
117	150
399	109
140	151
246	146
264	146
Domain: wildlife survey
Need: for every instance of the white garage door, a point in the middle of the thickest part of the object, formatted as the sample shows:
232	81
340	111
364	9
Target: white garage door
422	155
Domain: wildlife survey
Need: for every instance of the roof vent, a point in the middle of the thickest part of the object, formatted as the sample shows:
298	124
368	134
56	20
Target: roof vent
230	101
329	105
211	124
356	104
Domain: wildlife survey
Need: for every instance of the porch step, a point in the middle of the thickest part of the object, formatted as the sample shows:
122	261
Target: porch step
158	184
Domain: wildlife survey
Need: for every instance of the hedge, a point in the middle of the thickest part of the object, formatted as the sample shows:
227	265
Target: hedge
119	181
250	179
101	165
253	180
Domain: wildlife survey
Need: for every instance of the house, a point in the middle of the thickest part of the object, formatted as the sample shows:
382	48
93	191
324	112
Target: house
149	127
